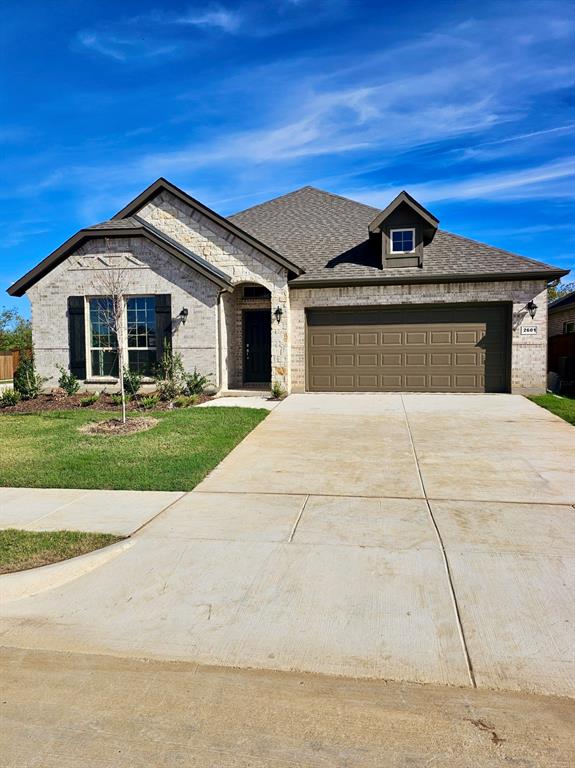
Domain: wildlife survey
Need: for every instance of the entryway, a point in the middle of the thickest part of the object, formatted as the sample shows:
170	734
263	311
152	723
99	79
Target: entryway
257	346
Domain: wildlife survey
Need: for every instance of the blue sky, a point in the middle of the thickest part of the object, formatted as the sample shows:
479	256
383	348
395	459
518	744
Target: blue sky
469	106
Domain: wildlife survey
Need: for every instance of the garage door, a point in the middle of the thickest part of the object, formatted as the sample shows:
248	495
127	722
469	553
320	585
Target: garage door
447	349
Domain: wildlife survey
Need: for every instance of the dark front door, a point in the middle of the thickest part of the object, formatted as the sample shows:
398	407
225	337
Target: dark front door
257	345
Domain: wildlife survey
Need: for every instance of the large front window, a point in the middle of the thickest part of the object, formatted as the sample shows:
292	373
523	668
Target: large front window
103	338
141	312
139	326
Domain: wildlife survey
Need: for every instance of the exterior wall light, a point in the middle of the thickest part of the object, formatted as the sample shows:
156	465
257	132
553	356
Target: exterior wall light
278	313
183	315
531	307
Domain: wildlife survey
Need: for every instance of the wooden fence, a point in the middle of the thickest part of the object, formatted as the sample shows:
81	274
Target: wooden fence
8	363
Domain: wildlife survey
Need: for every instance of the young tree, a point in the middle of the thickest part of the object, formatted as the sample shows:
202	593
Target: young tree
112	285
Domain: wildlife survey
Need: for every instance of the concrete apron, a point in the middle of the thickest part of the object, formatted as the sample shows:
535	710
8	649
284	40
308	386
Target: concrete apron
313	547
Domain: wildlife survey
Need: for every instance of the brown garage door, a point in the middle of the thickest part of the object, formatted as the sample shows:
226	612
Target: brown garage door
428	349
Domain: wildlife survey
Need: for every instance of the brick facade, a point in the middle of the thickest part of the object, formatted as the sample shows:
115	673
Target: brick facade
558	318
212	340
528	353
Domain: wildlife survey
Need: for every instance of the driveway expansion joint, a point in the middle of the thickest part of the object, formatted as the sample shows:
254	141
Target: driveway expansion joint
443	554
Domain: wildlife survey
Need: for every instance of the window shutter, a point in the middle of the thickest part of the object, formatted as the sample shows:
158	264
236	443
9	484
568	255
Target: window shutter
163	323
77	336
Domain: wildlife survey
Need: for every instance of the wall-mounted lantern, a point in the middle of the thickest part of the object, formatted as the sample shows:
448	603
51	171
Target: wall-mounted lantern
531	307
183	315
278	313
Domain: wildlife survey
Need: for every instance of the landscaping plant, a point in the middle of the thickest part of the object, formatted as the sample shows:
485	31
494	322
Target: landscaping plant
278	392
67	381
132	381
9	397
27	380
90	399
149	401
195	383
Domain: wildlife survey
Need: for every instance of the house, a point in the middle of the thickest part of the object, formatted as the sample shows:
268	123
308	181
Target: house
562	315
310	290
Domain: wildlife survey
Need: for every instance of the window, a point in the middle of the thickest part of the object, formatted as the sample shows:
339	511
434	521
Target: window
140	332
255	292
103	339
569	326
402	240
141	312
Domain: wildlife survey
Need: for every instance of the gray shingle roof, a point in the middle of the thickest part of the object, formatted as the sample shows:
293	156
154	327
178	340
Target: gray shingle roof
327	235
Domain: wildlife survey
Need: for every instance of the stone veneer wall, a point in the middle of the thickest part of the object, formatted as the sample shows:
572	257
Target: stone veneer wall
241	263
556	320
148	270
528	353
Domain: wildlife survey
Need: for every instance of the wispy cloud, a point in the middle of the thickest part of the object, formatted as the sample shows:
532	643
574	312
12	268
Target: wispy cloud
219	18
551	180
122	48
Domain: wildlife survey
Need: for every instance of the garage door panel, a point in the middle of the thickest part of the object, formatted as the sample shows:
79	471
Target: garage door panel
446	349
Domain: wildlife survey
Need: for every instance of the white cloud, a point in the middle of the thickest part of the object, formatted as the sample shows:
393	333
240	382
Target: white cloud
550	180
220	18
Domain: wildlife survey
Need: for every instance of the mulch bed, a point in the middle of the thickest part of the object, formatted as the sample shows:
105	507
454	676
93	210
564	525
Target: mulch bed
117	427
59	401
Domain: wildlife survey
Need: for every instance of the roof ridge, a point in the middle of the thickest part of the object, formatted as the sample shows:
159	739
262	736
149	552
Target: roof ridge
492	247
297	191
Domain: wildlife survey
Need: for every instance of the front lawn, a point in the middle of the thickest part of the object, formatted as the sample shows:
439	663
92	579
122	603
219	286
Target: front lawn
48	451
29	549
561	406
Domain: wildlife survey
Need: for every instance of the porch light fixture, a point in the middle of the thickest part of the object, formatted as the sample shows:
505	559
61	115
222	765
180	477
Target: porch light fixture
278	313
531	307
183	315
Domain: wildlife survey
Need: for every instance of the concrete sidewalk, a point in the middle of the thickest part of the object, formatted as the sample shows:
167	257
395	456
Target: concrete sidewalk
416	537
57	509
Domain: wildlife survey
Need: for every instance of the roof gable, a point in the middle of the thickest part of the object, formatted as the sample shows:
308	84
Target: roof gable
130	227
403	199
161	185
329	236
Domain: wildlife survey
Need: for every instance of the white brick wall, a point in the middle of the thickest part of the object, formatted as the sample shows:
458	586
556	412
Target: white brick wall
81	274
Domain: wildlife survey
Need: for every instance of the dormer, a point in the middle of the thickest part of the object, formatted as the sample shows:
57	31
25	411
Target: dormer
401	231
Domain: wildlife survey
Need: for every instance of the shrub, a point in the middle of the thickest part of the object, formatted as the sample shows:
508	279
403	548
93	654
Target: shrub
132	381
278	392
116	399
67	381
185	401
170	374
149	401
90	399
27	380
196	383
9	397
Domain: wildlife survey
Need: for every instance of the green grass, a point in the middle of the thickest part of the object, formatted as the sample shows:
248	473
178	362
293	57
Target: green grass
29	549
47	450
561	406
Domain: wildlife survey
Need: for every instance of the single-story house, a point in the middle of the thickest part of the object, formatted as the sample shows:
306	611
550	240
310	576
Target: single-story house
311	290
562	315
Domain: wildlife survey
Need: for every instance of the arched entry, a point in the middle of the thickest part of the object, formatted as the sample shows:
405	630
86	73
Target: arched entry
249	328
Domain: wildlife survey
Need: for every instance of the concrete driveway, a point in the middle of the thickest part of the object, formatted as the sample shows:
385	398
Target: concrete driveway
427	538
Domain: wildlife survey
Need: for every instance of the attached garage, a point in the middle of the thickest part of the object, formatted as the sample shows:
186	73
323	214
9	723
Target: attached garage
424	349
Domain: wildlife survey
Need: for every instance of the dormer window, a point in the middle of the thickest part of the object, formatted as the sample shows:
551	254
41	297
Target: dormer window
402	240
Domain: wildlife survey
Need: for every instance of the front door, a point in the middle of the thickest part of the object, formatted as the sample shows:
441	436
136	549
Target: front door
257	346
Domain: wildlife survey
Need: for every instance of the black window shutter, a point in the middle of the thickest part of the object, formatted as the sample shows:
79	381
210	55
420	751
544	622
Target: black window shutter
163	323
77	336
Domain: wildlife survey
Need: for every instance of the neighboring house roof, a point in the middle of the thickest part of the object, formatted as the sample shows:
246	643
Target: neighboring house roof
163	184
563	302
328	236
128	227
